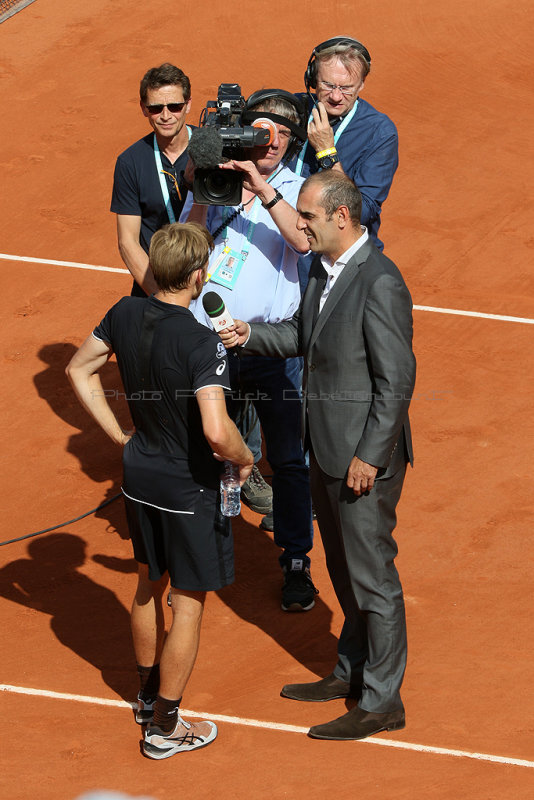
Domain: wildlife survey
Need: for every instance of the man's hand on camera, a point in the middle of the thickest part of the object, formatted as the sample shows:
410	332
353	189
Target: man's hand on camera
236	334
252	180
320	133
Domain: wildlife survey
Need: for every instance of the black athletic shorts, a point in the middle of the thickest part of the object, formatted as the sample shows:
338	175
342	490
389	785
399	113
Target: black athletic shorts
195	549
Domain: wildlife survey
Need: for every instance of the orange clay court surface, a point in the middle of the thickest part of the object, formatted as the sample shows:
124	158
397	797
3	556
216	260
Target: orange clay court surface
456	78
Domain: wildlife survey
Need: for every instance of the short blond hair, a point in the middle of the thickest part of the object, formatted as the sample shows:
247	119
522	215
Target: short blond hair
178	250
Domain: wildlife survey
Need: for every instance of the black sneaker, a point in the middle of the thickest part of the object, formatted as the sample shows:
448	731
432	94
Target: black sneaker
257	494
298	591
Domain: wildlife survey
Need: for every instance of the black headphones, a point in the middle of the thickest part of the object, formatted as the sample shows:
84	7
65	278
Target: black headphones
310	76
299	131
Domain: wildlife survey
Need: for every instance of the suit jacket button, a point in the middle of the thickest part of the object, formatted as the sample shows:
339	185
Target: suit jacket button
311	367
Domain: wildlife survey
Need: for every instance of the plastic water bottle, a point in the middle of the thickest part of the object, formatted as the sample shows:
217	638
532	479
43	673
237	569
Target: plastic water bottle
230	490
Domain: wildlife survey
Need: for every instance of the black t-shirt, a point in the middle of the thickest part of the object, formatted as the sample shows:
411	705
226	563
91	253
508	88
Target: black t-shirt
165	356
137	190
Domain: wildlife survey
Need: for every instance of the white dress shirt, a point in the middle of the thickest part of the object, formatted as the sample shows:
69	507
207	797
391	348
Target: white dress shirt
334	270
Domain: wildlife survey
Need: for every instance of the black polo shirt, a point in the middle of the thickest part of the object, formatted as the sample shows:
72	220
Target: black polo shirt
137	190
165	356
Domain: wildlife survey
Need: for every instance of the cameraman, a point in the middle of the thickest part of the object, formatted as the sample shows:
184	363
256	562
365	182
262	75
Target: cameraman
148	189
262	236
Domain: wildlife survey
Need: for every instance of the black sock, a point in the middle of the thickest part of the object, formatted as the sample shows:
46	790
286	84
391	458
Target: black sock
166	713
148	681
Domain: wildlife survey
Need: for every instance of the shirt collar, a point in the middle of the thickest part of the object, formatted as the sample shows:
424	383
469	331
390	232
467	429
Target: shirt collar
345	257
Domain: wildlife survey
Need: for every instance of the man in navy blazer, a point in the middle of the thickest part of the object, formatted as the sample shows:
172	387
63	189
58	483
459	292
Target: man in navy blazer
354	329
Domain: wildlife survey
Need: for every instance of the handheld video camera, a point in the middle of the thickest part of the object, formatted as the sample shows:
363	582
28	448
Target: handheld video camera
221	135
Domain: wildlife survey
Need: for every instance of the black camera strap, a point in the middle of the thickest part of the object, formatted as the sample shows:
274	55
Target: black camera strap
224	224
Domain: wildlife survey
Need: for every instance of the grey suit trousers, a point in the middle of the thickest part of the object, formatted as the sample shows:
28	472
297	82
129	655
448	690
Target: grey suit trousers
360	552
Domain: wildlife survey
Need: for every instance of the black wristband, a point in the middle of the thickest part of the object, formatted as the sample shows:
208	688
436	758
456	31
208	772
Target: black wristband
274	201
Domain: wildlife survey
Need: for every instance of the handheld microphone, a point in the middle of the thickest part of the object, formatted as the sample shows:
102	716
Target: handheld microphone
206	147
216	310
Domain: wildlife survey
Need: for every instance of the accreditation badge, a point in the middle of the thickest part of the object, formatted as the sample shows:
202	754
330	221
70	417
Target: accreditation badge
227	267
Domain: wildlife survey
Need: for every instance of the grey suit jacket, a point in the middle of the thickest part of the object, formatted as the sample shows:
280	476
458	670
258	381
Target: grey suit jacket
359	367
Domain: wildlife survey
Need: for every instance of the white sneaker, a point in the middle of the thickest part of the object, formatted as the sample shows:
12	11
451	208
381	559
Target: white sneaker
186	736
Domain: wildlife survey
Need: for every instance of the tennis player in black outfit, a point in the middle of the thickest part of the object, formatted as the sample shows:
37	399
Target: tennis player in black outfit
175	373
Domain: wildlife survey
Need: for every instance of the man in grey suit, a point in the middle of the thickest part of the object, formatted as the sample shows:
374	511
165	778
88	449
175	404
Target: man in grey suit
354	329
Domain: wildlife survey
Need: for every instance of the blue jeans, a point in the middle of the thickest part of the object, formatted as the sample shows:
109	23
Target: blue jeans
273	385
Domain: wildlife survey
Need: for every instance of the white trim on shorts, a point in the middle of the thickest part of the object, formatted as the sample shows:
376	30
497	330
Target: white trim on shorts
160	508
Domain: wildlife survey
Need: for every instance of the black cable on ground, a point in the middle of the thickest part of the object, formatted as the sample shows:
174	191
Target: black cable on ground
115	497
62	524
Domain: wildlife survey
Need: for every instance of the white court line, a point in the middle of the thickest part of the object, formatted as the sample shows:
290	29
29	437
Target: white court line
500	317
276	726
479	314
62	263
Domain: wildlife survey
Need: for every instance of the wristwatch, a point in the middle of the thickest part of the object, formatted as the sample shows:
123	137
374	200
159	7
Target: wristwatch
327	158
274	201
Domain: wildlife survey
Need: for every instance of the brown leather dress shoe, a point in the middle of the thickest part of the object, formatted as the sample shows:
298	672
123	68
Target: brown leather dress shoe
329	688
358	724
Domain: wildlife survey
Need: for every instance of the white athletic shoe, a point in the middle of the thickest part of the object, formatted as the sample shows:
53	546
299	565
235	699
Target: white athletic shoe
186	736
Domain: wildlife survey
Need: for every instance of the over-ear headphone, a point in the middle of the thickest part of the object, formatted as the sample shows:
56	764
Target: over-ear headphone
310	76
299	132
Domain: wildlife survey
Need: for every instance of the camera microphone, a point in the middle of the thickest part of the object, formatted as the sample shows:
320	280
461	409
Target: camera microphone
216	310
206	147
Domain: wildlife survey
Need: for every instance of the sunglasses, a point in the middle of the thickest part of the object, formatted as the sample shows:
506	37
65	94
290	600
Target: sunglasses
157	108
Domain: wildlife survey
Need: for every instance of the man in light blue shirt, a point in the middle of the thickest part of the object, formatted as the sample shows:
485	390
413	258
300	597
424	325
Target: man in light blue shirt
254	270
267	287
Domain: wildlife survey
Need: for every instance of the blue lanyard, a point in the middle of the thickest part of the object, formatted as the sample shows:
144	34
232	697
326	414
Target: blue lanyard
348	118
163	180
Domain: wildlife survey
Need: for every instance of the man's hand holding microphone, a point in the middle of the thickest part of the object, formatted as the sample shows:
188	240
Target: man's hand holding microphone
235	335
232	332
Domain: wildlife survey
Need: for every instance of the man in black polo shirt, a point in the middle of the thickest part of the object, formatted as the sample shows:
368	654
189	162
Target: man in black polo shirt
175	373
147	187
